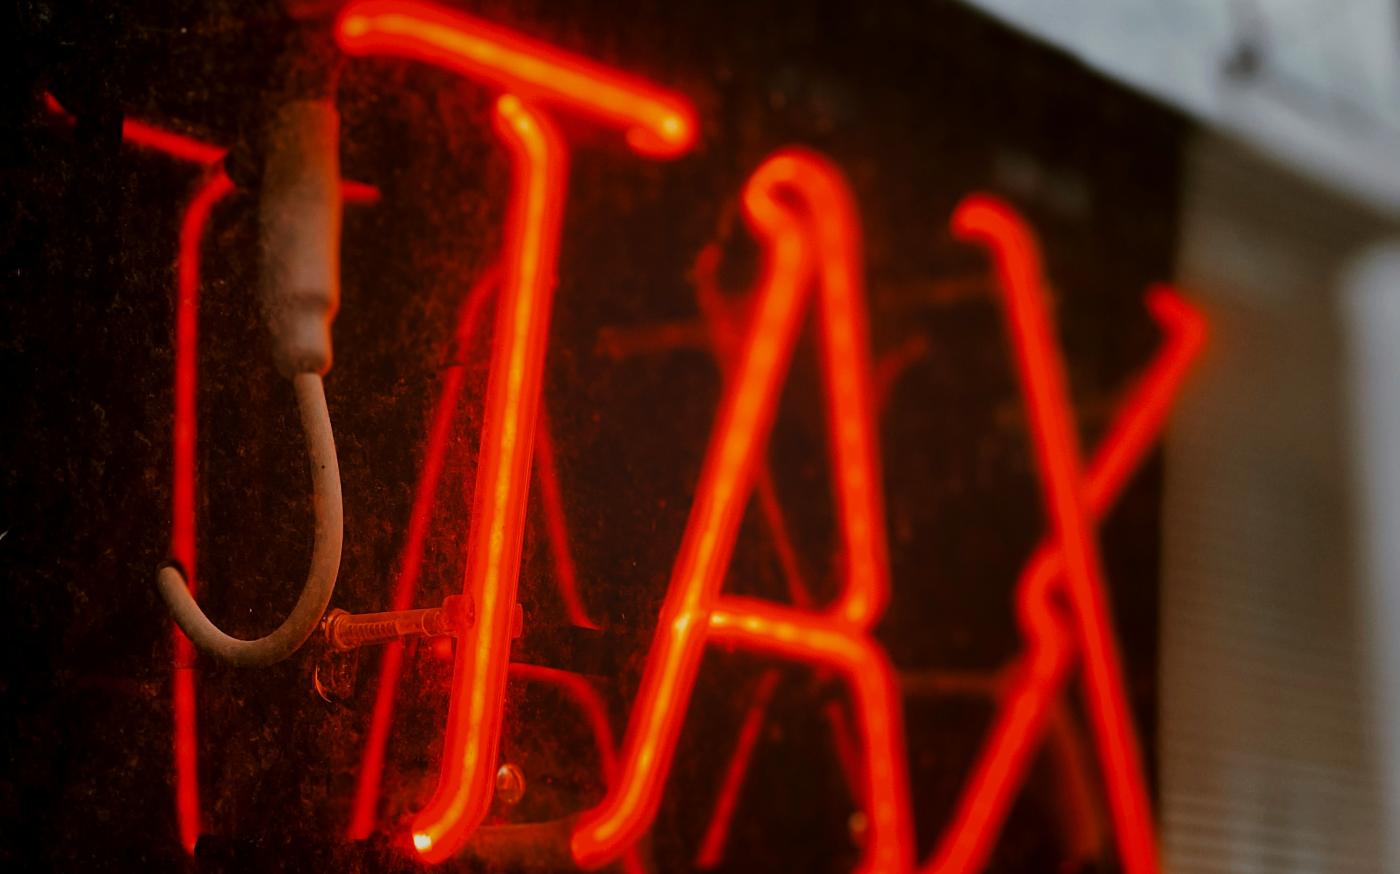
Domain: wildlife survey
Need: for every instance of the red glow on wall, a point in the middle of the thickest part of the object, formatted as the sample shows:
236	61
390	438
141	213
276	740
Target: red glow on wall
656	123
364	806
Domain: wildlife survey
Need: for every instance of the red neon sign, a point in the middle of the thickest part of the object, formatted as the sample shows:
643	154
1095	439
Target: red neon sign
1041	371
656	123
815	243
818	242
1036	678
799	205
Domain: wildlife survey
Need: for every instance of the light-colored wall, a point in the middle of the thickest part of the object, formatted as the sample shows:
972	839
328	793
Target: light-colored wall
1322	94
1275	739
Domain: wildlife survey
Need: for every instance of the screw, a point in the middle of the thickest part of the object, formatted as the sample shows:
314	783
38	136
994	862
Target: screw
510	784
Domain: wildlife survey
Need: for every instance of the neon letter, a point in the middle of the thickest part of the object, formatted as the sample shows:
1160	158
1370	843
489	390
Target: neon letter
1042	376
656	123
816	239
498	517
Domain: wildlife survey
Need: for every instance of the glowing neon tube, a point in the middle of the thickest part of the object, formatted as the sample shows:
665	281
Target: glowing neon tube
474	714
214	188
798	204
596	712
1041	372
365	804
1001	766
801	636
657	123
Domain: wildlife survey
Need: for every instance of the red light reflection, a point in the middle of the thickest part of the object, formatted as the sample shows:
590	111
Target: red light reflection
214	188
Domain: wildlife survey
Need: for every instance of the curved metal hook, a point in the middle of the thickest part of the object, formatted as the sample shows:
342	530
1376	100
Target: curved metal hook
325	556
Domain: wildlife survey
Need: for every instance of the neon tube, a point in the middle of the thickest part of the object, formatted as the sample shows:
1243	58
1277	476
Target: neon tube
596	713
816	242
850	416
723	320
183	147
214	188
657	123
465	785
1041	370
748	403
724	325
803	637
1020	723
175	145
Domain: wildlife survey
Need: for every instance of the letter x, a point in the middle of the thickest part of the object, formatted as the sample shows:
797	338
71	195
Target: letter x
657	124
